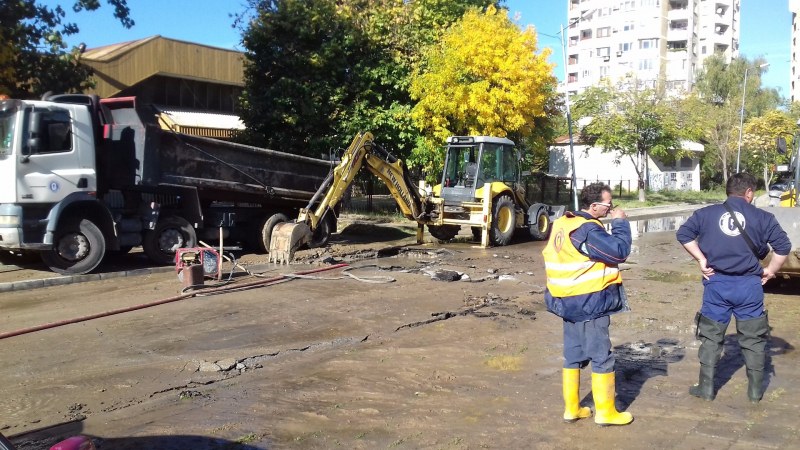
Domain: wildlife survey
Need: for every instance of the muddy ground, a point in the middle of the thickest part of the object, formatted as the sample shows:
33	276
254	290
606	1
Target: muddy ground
388	354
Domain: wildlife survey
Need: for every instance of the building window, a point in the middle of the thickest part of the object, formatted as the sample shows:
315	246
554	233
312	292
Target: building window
676	45
603	52
586	34
604	32
646	64
573	41
573	59
603	71
686	162
625	46
573	77
645	44
628	26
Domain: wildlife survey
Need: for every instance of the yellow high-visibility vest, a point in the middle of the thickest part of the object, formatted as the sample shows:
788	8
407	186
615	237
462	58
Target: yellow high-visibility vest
570	272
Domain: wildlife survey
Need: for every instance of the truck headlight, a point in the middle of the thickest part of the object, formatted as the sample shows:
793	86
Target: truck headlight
9	221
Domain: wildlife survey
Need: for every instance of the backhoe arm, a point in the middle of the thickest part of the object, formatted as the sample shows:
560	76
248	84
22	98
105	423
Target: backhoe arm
288	237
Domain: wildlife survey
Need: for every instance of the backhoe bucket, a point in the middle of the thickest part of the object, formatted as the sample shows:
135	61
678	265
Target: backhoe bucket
286	238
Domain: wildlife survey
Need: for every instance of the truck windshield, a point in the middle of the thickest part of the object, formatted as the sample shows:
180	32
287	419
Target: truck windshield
7	121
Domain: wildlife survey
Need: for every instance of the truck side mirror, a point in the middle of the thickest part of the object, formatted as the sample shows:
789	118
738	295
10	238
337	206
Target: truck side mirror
34	142
781	144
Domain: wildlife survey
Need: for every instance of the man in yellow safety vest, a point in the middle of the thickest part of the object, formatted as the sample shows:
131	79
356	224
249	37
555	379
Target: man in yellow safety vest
584	287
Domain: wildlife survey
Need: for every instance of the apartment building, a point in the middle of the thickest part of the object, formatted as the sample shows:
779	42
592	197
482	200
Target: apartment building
794	82
650	41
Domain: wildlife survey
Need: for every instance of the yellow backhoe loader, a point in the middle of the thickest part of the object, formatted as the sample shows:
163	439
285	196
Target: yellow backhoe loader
784	206
481	187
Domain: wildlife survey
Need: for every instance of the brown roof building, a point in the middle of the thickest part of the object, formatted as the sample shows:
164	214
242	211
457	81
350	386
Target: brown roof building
186	81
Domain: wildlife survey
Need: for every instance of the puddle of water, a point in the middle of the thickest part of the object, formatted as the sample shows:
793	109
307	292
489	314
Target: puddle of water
653	225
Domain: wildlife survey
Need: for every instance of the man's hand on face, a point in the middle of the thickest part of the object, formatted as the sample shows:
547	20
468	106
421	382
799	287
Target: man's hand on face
618	213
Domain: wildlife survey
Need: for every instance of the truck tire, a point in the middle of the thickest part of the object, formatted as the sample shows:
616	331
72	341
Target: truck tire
78	248
322	234
504	220
266	230
540	224
444	232
170	234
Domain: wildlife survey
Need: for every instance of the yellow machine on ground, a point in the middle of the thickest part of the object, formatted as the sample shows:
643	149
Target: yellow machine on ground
481	187
784	206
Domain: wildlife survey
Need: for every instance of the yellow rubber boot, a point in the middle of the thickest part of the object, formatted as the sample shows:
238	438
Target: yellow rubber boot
571	384
603	391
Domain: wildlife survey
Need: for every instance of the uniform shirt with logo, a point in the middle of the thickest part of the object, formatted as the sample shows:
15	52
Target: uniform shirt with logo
719	238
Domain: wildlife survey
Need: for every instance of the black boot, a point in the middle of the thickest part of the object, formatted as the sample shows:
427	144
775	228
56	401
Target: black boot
752	334
712	336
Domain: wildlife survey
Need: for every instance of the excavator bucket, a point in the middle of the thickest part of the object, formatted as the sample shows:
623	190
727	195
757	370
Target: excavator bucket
286	238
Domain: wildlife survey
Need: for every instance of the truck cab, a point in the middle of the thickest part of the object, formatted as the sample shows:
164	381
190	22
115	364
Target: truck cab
47	156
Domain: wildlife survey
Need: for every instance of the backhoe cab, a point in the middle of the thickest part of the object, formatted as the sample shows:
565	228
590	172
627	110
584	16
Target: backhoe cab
483	187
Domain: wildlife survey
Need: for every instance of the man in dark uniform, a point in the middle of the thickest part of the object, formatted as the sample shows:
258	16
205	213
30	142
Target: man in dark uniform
584	288
733	279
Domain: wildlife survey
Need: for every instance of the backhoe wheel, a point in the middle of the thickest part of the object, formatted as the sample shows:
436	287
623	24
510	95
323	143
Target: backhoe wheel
266	230
170	234
444	232
78	247
323	232
504	219
540	225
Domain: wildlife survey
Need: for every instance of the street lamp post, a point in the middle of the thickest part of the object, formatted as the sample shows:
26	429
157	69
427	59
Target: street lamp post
741	113
569	125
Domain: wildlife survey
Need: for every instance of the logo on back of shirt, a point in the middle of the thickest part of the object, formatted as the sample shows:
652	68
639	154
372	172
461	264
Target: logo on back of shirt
728	226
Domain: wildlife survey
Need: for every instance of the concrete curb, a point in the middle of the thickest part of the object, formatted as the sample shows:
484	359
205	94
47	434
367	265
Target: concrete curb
70	279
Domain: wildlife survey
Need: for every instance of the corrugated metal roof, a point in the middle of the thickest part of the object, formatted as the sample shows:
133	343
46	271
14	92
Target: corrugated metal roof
120	66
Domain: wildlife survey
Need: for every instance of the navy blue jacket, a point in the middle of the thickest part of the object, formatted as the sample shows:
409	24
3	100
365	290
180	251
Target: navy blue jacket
720	241
595	242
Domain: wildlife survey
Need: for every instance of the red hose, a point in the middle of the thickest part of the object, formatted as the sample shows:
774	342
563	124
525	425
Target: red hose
232	287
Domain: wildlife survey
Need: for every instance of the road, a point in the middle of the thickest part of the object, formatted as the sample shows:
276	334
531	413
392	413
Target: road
367	362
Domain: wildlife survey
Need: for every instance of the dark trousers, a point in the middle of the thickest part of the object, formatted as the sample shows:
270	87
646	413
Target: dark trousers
588	341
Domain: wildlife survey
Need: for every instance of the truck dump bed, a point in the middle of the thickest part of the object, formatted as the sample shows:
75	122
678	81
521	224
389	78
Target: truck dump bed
137	152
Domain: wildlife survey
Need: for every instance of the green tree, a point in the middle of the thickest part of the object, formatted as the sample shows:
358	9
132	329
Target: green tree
635	122
320	70
720	86
34	58
486	77
758	143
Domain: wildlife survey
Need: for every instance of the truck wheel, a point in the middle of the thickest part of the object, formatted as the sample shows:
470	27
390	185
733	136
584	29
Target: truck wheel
170	234
266	230
504	220
444	232
540	225
78	247
323	232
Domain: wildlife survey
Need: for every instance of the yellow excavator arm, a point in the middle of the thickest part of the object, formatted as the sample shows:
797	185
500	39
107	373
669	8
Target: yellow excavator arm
288	237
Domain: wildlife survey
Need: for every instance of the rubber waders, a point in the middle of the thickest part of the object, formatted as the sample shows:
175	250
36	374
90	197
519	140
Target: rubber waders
571	385
753	334
604	392
712	335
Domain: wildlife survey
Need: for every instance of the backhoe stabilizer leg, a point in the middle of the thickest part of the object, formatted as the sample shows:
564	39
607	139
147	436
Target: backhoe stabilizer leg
287	238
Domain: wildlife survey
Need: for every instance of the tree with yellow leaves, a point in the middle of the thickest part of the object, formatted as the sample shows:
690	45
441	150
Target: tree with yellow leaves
485	77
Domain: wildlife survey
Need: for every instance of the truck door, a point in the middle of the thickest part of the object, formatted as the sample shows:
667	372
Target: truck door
57	157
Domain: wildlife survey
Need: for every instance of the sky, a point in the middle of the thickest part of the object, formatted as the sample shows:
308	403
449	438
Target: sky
766	28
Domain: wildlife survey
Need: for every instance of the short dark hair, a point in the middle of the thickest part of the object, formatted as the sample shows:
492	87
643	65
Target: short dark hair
739	183
593	193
